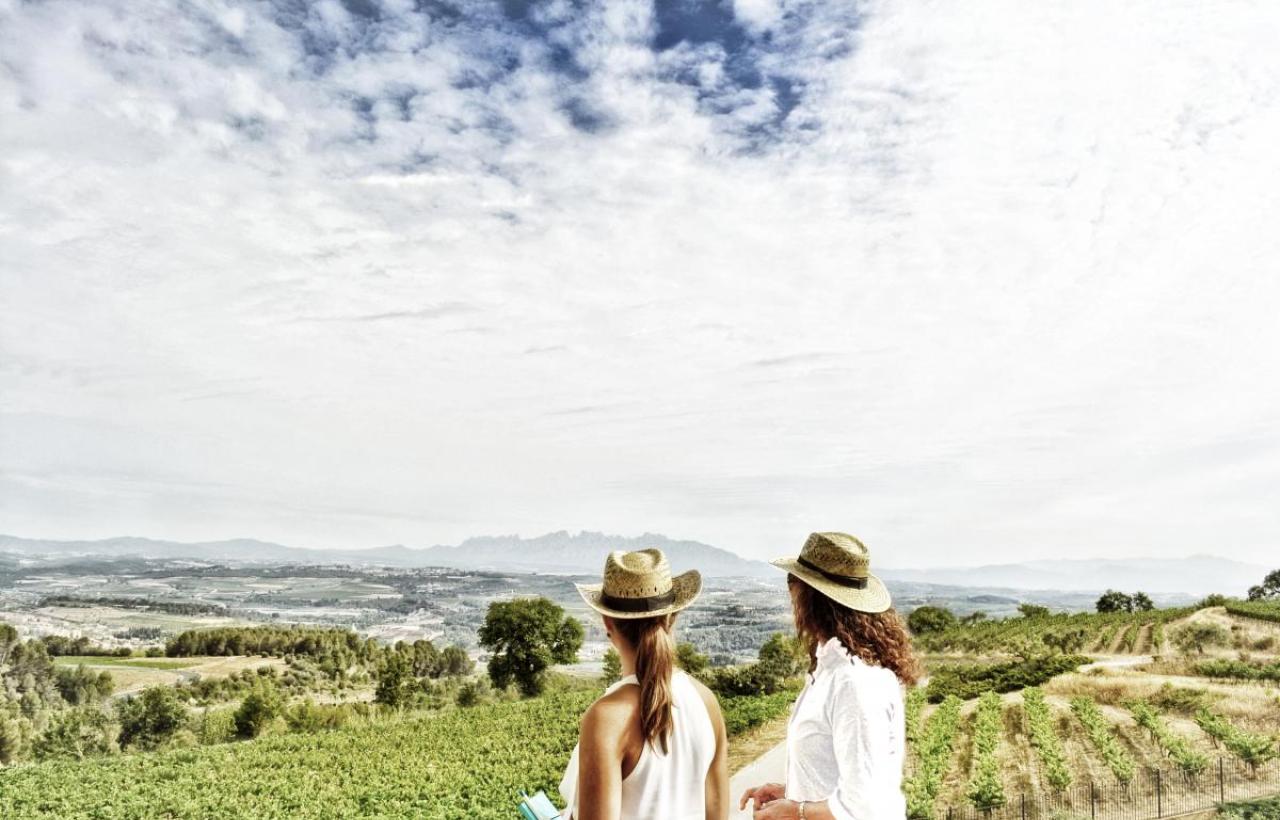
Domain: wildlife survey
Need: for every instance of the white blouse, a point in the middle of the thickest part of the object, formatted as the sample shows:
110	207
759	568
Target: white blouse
663	786
845	740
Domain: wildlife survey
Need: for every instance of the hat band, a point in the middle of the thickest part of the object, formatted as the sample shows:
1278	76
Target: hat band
843	580
649	603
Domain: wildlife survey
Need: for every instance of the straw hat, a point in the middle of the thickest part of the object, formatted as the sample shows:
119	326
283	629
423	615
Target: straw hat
837	565
639	585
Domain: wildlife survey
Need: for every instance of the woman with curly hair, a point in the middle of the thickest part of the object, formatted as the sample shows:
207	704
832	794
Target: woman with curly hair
845	741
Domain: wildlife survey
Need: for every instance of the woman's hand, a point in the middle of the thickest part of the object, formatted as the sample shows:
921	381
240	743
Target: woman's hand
759	795
779	809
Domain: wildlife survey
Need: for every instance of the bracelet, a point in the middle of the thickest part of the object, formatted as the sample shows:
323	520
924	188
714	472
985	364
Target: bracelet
802	802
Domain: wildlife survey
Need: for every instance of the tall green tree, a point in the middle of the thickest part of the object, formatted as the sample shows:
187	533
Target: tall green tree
525	637
1114	601
260	707
151	718
612	671
396	683
1142	602
930	619
1269	588
690	659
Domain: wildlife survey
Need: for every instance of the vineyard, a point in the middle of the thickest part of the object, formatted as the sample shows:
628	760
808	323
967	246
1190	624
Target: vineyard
462	763
1111	633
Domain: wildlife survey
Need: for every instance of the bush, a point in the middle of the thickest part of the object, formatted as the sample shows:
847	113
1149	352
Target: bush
1197	637
77	734
745	712
925	619
149	719
260	707
966	682
215	726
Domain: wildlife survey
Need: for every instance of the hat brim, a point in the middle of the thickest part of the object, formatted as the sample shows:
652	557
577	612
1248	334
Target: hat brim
873	598
687	587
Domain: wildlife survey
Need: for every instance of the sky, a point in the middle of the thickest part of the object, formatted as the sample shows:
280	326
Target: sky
975	281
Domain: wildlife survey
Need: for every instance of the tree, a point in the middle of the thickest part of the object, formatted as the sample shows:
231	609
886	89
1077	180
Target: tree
930	619
781	657
973	618
1114	601
1197	636
690	659
612	671
1269	588
524	637
396	684
455	662
8	641
78	733
151	718
1142	602
1033	611
260	707
1067	641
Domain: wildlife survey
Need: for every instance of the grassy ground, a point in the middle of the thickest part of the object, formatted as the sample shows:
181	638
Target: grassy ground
97	661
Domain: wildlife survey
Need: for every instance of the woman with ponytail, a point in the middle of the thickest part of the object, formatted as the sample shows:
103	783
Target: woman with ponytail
845	739
653	745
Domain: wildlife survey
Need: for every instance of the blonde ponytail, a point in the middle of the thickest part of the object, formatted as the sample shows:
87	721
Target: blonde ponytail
655	660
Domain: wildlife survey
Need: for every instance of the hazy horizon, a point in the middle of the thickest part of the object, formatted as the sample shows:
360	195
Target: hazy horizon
993	279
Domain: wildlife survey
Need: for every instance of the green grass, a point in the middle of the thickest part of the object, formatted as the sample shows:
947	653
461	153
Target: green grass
130	663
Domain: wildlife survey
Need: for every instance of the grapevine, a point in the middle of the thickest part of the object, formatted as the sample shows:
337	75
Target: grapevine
934	752
1103	738
1045	739
1175	746
985	789
1252	749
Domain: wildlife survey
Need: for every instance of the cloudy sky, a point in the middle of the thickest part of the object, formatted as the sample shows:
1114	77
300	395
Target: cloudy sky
977	281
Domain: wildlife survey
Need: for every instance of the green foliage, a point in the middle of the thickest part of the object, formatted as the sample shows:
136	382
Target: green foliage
1114	601
970	681
474	693
985	790
259	709
1142	602
1044	738
459	763
80	686
1269	588
1238	670
1060	631
1172	744
1260	609
744	712
612	671
1180	699
1033	611
1252	749
396	684
1103	738
76	734
934	754
690	659
782	657
912	711
1195	637
525	636
1265	809
151	718
926	619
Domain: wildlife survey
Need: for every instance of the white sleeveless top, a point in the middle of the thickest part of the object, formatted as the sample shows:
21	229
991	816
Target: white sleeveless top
670	786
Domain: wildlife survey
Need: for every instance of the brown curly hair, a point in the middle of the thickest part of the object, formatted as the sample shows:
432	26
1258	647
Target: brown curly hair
880	638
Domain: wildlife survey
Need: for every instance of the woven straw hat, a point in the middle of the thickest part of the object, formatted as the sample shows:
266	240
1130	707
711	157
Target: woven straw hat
838	565
639	585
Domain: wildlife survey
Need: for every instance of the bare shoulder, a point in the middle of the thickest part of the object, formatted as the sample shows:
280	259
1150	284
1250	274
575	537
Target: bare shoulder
612	713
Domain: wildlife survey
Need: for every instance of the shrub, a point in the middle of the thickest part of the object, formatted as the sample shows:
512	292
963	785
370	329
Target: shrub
967	682
260	707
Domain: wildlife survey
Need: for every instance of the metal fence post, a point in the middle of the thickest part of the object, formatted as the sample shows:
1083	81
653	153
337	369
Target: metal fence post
1222	784
1159	797
948	813
1024	806
1093	800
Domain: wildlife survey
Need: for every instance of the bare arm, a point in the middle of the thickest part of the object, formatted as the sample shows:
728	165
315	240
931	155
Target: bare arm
600	763
717	786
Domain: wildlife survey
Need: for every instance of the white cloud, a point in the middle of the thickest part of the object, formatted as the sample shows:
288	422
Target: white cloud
1002	283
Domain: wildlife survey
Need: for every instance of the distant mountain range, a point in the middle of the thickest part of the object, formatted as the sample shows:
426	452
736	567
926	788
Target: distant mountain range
1194	575
565	553
559	553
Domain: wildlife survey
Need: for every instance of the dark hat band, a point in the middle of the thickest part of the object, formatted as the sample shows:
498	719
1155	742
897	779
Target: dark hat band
649	603
851	581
